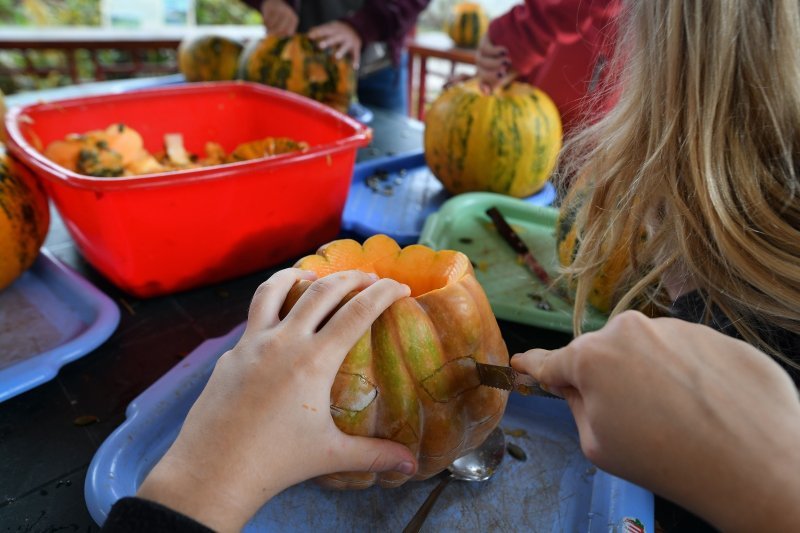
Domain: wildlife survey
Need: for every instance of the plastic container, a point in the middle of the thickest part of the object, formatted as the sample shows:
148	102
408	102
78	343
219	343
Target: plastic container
49	317
555	489
514	292
161	233
394	195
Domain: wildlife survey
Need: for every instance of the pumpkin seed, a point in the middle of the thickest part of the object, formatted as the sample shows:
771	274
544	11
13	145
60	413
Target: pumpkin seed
86	420
516	452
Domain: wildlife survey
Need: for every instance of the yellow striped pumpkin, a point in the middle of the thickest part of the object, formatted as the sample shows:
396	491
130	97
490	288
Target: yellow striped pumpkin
298	65
604	283
467	24
505	142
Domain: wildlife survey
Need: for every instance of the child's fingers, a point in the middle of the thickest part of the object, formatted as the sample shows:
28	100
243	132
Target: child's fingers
323	296
553	369
350	322
271	294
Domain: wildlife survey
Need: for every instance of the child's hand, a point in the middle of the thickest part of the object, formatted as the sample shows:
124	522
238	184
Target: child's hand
494	66
341	37
279	18
263	422
698	417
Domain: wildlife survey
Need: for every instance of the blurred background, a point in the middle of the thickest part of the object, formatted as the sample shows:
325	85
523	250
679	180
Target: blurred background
52	43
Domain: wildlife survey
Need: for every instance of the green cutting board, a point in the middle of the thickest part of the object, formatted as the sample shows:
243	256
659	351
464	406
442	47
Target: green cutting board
513	291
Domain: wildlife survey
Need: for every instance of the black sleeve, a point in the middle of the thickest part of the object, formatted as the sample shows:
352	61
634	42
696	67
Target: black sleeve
693	307
137	514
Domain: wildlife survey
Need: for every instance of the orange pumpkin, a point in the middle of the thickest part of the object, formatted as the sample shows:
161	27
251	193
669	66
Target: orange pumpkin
411	378
24	220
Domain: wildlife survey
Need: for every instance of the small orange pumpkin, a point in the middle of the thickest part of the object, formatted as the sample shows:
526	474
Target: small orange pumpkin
411	378
24	219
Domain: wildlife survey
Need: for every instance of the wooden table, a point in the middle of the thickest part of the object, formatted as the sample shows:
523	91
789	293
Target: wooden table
421	48
45	449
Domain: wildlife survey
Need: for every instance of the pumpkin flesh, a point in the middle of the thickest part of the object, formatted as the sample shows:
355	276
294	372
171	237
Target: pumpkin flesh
411	378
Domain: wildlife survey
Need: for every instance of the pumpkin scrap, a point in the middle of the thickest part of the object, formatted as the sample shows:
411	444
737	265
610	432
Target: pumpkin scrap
411	377
119	151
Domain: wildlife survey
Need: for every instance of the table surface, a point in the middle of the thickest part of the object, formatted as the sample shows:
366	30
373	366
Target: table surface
45	453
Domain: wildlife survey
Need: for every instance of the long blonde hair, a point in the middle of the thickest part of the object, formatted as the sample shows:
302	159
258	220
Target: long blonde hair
700	153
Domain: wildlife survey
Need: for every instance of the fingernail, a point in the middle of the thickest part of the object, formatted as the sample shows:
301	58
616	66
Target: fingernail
506	63
500	74
406	468
373	275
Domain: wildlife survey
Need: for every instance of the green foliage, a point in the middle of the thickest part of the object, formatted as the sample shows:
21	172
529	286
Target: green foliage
225	12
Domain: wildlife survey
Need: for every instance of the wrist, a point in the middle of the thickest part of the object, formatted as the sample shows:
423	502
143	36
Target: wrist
193	495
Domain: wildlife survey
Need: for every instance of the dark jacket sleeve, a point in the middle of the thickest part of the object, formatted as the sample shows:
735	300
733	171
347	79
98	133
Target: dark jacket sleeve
136	515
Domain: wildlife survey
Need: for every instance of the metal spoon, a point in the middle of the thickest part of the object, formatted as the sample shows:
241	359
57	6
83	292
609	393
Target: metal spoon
478	465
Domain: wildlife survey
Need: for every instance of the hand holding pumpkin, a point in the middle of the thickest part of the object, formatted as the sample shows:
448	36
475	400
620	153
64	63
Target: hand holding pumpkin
494	66
341	37
263	421
279	18
698	417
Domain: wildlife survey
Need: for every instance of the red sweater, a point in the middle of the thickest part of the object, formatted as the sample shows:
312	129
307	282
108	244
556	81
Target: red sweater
559	46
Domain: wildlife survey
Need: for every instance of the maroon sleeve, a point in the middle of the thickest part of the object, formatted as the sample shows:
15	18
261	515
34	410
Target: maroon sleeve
256	4
386	20
529	30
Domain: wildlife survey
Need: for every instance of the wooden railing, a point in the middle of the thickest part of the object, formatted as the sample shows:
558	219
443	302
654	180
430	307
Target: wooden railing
135	52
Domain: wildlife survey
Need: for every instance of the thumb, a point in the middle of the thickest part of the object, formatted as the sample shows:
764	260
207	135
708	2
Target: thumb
367	454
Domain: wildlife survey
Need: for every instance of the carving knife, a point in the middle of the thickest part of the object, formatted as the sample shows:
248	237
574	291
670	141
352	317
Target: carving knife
516	243
506	378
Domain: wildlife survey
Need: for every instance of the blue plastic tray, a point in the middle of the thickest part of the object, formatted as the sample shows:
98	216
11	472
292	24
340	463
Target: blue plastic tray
49	317
555	489
394	195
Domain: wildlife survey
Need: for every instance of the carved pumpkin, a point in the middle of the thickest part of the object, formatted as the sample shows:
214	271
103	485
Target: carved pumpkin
24	219
296	64
467	24
505	142
209	58
411	378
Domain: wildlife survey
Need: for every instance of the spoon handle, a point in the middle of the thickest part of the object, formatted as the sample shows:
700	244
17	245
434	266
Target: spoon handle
415	524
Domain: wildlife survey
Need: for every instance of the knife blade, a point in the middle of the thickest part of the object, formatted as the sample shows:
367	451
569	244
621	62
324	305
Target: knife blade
513	239
506	378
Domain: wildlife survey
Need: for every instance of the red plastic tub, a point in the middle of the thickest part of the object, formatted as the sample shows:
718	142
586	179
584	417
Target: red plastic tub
161	233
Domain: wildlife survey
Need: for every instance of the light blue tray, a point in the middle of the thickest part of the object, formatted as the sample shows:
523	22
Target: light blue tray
48	317
555	489
394	195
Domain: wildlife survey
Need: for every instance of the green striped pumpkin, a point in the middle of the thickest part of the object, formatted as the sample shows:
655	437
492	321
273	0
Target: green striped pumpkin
209	58
296	64
467	24
505	142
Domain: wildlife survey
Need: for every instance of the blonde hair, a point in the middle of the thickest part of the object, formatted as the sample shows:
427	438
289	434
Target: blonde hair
700	154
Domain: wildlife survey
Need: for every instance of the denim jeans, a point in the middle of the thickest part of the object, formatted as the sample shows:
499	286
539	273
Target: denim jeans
386	88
